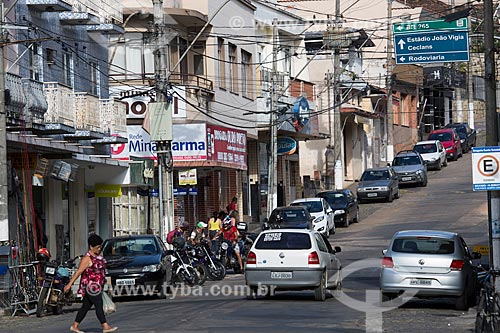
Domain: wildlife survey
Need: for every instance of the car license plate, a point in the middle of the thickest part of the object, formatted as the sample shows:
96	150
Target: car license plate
420	282
125	282
405	179
50	270
281	275
371	195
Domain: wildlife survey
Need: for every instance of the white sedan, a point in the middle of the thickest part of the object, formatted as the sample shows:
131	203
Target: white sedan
322	213
293	259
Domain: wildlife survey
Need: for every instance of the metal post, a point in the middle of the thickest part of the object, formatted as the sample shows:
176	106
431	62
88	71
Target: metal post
491	130
390	115
337	101
272	180
4	211
470	91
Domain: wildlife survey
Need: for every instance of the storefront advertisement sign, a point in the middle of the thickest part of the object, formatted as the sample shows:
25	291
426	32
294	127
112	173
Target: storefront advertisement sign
188	177
107	190
227	145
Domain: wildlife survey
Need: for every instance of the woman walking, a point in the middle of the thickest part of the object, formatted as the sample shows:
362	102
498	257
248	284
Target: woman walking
92	270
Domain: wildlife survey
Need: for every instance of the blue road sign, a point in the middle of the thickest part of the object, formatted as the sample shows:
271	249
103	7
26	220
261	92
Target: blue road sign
427	46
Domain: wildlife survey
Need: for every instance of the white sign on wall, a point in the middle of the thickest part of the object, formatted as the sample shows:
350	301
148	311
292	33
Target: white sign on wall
485	168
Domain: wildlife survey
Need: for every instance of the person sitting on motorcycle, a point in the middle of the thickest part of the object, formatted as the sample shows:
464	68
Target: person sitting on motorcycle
231	233
198	233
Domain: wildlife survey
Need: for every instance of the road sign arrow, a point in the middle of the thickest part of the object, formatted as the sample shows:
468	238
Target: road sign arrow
401	44
400	28
402	59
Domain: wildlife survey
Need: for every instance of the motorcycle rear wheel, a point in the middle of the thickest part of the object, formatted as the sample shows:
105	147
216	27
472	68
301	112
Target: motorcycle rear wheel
40	306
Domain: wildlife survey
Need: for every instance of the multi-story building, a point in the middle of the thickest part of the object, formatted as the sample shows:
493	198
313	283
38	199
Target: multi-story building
212	79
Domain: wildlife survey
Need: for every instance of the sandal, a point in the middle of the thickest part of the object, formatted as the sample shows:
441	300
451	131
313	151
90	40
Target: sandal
112	329
76	330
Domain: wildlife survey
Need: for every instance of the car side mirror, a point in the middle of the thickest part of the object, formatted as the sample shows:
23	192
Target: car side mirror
329	211
337	249
388	163
476	255
384	252
265	225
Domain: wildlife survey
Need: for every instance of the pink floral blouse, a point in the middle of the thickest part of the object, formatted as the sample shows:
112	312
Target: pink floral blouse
94	277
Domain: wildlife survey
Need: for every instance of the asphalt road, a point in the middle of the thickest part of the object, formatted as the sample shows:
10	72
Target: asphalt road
447	203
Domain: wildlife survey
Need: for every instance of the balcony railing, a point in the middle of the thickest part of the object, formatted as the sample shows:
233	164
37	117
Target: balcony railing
83	111
192	80
60	108
107	10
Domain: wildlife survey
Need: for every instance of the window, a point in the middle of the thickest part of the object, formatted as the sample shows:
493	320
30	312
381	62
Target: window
233	69
36	64
321	245
405	110
283	241
221	55
67	69
95	79
246	73
198	64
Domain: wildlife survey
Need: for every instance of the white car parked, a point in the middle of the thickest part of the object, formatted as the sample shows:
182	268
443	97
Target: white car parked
293	259
433	153
322	213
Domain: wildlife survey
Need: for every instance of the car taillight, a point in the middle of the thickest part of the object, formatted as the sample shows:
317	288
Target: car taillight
387	262
252	258
313	258
457	265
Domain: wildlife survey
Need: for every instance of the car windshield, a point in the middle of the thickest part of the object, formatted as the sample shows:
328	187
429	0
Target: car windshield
424	245
443	136
129	246
406	160
424	149
334	198
283	241
375	175
313	206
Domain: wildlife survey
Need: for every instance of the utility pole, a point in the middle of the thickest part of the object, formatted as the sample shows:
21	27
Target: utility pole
4	202
337	101
164	151
330	134
272	179
390	115
491	131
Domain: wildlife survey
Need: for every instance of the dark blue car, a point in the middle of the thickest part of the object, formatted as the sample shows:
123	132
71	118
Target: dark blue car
137	265
344	204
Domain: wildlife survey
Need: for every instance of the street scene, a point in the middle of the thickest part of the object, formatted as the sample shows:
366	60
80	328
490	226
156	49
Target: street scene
250	165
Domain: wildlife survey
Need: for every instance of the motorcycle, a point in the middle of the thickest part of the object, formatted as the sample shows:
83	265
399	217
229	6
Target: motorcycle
55	278
215	269
194	255
182	271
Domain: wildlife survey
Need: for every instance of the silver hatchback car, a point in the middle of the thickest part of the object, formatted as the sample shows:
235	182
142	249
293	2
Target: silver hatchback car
429	263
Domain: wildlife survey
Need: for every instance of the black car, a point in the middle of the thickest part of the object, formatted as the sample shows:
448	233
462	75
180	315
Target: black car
467	135
137	265
344	204
297	217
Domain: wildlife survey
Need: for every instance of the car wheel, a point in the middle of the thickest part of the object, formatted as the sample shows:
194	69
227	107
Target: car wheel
390	197
333	230
252	293
320	291
462	302
346	220
327	232
439	166
424	183
396	196
445	162
356	218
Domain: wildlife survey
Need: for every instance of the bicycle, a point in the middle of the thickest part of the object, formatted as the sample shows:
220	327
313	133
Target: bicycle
488	309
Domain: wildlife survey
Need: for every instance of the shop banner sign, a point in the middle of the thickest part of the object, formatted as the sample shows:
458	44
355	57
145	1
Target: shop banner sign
107	190
188	177
227	145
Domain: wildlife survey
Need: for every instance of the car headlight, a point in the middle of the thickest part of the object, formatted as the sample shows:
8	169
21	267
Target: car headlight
224	246
462	140
319	219
450	148
433	159
339	212
151	268
384	188
419	172
361	189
